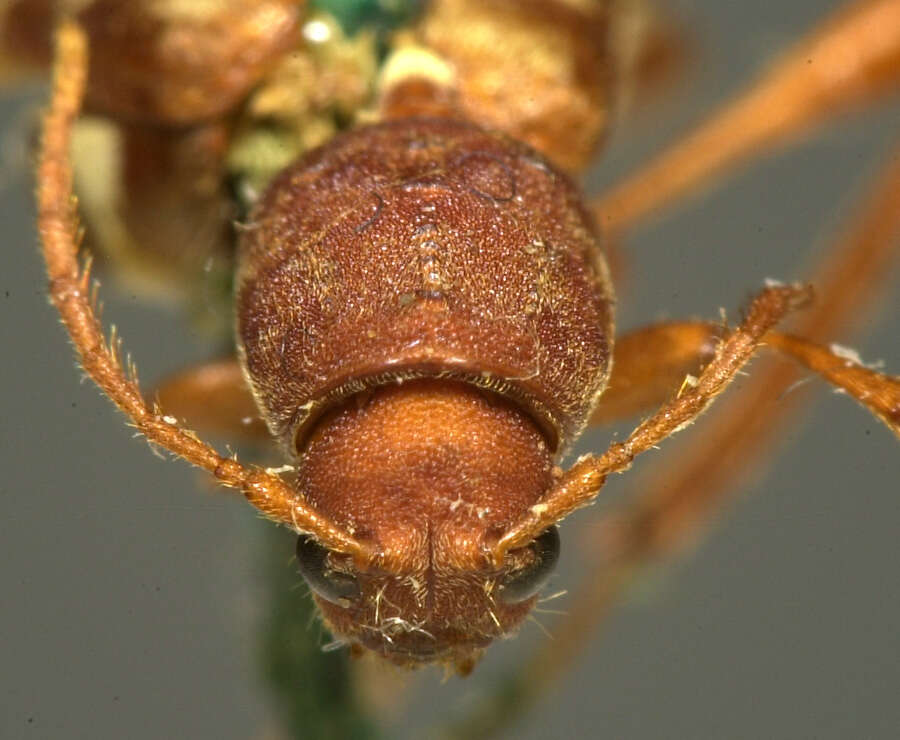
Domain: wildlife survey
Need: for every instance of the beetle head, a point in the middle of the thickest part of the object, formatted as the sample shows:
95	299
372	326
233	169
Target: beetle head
430	472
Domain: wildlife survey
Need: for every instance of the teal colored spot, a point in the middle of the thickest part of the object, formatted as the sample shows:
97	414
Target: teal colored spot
380	15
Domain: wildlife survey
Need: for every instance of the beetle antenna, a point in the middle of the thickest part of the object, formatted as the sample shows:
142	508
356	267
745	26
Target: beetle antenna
59	232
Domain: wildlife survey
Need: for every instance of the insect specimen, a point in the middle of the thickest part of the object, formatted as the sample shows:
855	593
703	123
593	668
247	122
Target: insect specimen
483	145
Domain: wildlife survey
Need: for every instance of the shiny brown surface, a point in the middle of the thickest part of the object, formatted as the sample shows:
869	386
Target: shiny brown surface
423	247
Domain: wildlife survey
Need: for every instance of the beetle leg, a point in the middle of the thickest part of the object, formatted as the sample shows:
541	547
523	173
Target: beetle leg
650	364
215	399
851	60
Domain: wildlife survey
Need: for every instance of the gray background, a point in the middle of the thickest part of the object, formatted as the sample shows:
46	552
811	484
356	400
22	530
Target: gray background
130	591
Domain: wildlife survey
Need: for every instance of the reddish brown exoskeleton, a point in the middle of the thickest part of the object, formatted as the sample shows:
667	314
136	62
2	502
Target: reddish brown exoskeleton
424	318
447	331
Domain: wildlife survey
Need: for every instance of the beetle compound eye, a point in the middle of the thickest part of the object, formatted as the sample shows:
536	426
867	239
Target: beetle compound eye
523	584
325	582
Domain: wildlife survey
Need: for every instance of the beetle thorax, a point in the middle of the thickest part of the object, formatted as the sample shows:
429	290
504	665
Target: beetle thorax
423	248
